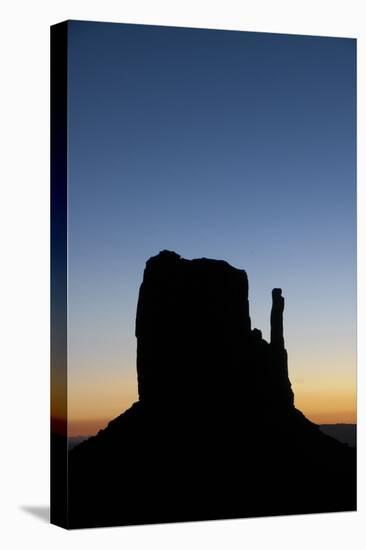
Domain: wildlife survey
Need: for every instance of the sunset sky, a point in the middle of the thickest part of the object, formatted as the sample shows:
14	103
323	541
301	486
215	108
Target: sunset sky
230	145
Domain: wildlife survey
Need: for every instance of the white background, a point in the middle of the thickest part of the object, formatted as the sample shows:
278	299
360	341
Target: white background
24	272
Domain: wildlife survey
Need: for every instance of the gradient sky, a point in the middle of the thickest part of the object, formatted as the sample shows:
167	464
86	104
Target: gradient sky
230	145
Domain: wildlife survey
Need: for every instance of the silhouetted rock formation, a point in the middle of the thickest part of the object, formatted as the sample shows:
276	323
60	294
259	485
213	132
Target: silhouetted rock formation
215	433
192	322
346	433
278	305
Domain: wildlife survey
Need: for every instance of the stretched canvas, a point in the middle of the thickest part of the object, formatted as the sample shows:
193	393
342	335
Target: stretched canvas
203	308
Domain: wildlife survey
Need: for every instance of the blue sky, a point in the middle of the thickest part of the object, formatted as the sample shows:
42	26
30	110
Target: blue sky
230	145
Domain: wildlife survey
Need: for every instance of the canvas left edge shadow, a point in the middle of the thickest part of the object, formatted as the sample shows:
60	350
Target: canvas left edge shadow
58	313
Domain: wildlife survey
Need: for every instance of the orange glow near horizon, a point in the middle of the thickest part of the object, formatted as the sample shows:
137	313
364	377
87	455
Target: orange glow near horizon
93	403
88	427
322	401
327	403
324	387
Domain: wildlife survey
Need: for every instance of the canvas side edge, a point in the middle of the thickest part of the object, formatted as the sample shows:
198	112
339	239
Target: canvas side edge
59	445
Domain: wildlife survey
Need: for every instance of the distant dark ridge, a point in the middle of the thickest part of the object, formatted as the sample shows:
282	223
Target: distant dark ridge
345	433
76	440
